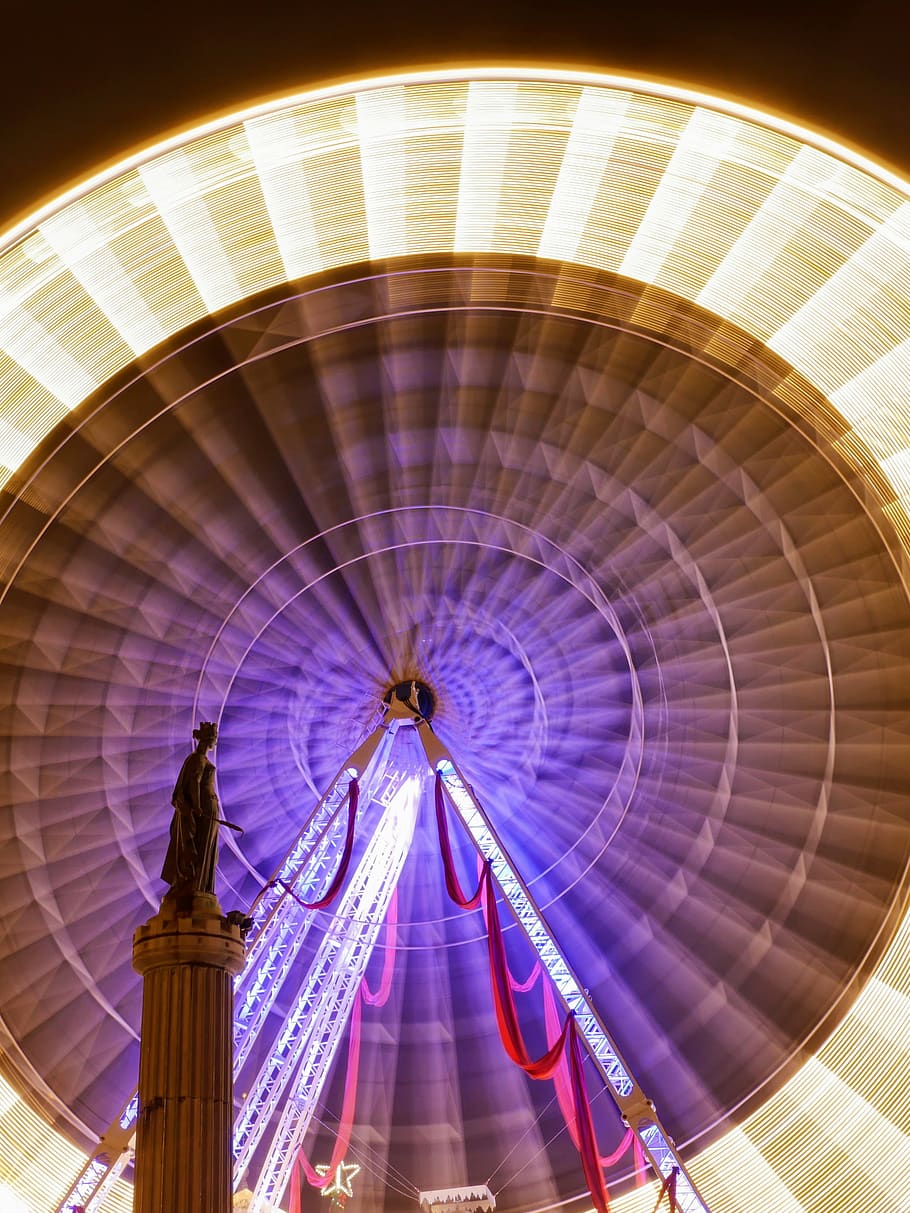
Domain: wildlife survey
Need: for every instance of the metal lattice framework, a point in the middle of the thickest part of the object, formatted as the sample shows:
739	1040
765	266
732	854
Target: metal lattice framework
312	1029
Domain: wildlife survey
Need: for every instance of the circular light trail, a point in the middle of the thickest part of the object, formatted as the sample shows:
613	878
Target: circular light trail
801	248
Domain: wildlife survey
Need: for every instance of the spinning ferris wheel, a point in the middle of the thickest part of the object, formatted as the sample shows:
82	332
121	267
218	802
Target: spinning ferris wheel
582	401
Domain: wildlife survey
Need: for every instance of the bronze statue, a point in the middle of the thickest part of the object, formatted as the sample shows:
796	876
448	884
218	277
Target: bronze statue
189	866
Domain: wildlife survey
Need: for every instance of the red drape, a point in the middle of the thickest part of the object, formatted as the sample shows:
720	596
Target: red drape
453	884
338	880
518	987
584	1124
564	1097
507	1015
504	1002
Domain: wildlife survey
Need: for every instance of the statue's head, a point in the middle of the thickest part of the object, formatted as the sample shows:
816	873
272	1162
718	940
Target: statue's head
207	732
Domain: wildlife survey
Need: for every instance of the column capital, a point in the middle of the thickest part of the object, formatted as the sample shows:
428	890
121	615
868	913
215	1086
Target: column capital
188	932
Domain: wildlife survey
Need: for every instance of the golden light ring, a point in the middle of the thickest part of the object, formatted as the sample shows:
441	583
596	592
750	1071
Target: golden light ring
802	243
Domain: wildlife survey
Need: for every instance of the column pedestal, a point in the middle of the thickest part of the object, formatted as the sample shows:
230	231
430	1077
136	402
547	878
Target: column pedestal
187	955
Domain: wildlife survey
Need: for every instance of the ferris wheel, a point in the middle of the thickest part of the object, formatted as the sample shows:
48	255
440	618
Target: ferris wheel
582	401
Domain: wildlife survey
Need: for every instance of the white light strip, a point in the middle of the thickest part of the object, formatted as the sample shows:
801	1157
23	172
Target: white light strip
384	861
321	1008
37	351
860	312
279	154
838	1122
84	250
872	400
702	146
182	205
748	1183
381	123
598	121
816	216
487	129
457	75
14	445
37	1160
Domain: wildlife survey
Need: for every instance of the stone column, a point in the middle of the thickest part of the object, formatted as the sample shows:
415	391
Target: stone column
187	955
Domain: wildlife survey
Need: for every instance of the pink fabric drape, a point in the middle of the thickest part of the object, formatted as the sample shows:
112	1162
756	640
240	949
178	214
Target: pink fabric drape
522	987
381	996
331	892
641	1163
564	1097
561	1080
349	1101
346	1121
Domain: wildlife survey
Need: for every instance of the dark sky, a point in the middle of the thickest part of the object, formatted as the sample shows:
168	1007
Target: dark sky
84	84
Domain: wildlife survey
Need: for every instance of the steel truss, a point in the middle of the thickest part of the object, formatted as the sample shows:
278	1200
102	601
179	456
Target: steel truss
636	1109
312	1031
314	1027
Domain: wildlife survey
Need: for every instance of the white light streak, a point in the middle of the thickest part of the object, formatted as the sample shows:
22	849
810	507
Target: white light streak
487	128
85	251
858	314
182	204
10	1202
598	121
36	351
279	153
872	402
14	445
381	124
811	221
701	148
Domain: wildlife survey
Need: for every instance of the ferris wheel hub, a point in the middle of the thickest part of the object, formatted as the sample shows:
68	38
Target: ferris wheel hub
412	696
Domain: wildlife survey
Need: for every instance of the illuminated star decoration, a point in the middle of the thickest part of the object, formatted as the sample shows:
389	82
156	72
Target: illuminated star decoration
340	1186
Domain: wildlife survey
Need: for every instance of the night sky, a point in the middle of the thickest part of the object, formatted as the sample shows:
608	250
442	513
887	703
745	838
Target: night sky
83	85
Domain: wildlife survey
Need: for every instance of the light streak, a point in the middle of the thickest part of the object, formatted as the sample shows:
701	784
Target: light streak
83	248
598	122
700	150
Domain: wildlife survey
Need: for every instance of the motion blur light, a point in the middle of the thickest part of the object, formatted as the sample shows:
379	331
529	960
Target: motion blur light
784	235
